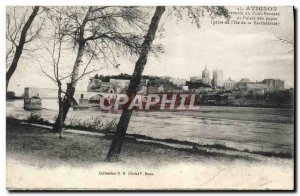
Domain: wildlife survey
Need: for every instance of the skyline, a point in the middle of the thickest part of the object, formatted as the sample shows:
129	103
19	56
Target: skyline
188	79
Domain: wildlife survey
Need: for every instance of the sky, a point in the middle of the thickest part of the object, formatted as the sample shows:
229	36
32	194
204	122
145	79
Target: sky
241	51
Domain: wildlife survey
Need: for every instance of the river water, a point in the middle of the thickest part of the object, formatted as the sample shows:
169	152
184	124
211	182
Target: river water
263	129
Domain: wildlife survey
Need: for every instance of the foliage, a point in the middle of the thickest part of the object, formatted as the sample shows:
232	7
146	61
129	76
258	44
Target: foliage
280	97
19	32
36	118
193	14
94	124
10	94
238	96
16	18
249	96
105	31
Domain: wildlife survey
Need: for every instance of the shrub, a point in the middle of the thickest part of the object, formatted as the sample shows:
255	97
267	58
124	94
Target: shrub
36	118
94	124
238	96
10	94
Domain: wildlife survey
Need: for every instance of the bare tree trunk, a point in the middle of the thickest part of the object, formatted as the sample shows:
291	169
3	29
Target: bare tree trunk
65	106
116	146
74	76
60	110
69	92
19	48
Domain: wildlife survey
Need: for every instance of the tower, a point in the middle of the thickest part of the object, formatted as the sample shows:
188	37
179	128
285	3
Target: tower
205	76
218	78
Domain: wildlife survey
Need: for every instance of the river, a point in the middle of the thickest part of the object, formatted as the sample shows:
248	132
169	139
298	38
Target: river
255	129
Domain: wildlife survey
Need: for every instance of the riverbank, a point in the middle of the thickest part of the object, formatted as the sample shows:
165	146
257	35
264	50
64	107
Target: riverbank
36	158
96	127
80	147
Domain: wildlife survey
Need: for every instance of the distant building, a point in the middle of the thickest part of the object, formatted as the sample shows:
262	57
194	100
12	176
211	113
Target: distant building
161	84
106	87
274	84
94	84
97	85
217	78
178	81
122	83
206	76
195	78
185	88
229	84
256	85
245	84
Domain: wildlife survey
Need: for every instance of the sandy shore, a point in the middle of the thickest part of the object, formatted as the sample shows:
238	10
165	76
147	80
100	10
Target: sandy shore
36	158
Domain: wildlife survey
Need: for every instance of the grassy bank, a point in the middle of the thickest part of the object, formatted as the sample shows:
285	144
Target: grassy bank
37	158
39	145
96	125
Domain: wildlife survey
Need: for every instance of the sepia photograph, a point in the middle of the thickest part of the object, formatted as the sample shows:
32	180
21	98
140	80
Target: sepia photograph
150	98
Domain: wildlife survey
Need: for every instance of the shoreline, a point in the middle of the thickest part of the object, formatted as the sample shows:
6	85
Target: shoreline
186	145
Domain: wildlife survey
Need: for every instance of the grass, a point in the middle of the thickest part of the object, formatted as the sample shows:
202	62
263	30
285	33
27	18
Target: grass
40	147
97	125
287	155
94	124
37	119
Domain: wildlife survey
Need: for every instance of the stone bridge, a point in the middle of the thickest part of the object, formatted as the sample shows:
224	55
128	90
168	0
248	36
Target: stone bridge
87	95
47	93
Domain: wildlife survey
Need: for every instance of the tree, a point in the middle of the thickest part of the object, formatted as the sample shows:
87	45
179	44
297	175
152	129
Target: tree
19	31
96	33
54	46
10	95
115	148
193	14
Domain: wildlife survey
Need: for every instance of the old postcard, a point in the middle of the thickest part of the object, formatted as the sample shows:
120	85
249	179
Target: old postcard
150	98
